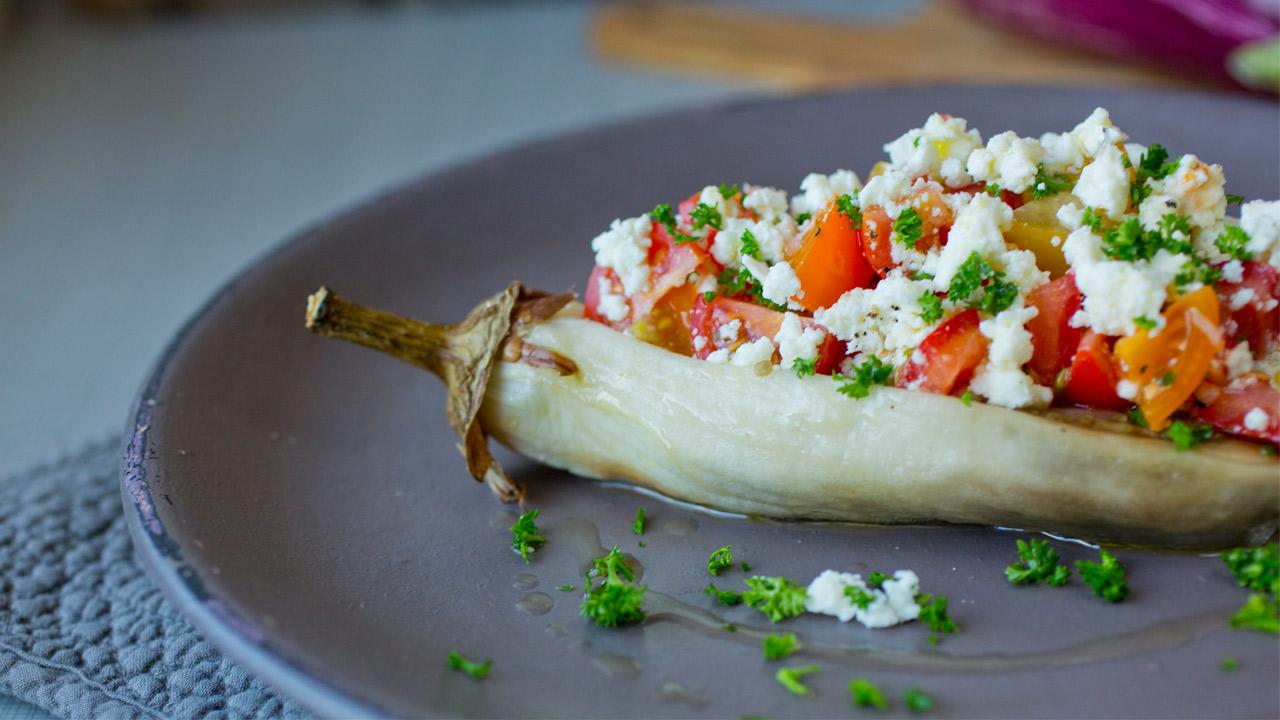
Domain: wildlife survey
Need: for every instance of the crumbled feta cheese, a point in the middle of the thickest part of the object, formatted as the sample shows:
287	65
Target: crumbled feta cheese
1154	208
1200	190
780	284
818	190
1000	379
892	604
699	342
771	237
883	321
1071	215
939	150
1116	292
884	190
612	305
1127	389
1242	297
757	352
766	202
1135	151
1239	360
727	333
1233	271
979	228
1257	419
1104	183
1019	267
796	342
1007	160
719	356
711	196
1067	152
624	248
727	245
1261	219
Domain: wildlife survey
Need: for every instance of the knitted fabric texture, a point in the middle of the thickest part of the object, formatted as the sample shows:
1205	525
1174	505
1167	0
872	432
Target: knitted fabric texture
83	631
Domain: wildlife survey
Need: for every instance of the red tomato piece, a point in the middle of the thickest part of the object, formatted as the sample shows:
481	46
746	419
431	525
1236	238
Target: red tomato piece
1254	321
591	297
1229	408
947	357
707	318
1093	377
1053	338
876	228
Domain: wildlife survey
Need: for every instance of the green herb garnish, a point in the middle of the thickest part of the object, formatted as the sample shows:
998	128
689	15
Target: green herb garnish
1232	242
777	597
803	217
867	695
720	560
779	647
930	307
1229	664
860	597
992	189
728	191
708	296
1092	218
1107	577
750	247
933	611
967	398
1136	417
1145	323
1255	568
916	701
615	601
804	367
1040	563
637	526
848	205
1047	183
479	671
871	372
1260	612
663	215
704	215
789	678
1152	165
908	227
724	597
1186	437
975	273
566	588
525	538
1233	199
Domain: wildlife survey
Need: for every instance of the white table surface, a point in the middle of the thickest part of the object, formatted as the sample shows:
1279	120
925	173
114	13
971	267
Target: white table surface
144	163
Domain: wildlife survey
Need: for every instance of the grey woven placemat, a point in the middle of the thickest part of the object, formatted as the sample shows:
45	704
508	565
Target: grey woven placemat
83	631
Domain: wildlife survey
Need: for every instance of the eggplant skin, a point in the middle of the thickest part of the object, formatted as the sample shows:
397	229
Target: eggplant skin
786	447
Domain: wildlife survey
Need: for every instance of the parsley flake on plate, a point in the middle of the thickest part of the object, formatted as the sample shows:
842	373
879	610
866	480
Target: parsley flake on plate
637	526
1106	577
525	537
479	671
917	701
780	647
1261	612
1039	563
789	678
615	600
777	597
721	559
865	694
1255	568
933	611
724	597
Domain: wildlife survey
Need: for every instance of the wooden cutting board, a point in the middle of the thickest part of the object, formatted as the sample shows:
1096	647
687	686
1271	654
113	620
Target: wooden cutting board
942	43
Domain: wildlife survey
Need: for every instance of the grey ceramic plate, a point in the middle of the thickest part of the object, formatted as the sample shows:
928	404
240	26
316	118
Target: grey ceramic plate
303	502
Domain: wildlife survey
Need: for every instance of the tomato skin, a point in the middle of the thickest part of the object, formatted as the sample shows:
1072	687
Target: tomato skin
1093	377
830	261
1253	321
1053	338
1228	409
706	318
876	229
591	297
948	356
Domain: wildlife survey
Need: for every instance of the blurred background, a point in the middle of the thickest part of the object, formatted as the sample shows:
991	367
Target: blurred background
149	149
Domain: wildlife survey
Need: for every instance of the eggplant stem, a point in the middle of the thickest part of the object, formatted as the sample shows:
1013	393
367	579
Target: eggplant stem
460	354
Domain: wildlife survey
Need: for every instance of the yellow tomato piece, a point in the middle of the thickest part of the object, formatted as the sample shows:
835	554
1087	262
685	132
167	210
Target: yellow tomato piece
1168	367
1036	228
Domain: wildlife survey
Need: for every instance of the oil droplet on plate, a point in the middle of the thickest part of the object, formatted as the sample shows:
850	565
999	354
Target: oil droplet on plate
535	603
675	692
616	666
680	526
525	581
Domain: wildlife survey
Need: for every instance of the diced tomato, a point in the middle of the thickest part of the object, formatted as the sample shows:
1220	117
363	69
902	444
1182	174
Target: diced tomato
1093	377
1229	408
706	318
1169	366
876	229
936	219
591	297
1008	197
1254	321
671	269
830	260
1053	338
948	356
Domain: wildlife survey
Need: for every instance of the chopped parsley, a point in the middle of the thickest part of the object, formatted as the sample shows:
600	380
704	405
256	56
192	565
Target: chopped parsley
1233	199
780	647
1196	270
745	567
1040	563
777	597
789	678
1260	612
1127	241
728	191
908	227
848	205
1232	242
876	579
637	526
804	367
704	215
729	628
566	588
525	538
1105	577
976	273
1229	664
1255	568
1145	323
871	372
967	398
867	695
992	189
1136	417
724	597
662	213
708	296
1092	218
1047	183
720	560
738	282
615	601
1186	437
479	671
933	611
750	246
803	217
1154	164
1168	378
916	701
860	597
930	307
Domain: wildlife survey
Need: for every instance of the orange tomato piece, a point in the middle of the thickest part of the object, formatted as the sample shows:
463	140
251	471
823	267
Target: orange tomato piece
830	261
1168	367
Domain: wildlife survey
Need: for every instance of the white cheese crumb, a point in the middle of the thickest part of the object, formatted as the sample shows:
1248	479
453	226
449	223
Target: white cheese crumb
796	342
1261	219
892	604
938	150
727	333
719	356
755	353
780	284
979	228
1000	379
699	342
1257	419
1242	297
766	202
817	190
1116	292
1068	151
1233	271
612	305
624	248
1070	215
885	190
883	321
1008	160
1127	389
1239	360
1104	183
1199	190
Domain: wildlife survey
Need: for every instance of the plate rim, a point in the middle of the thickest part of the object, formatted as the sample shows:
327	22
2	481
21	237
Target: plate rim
160	553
